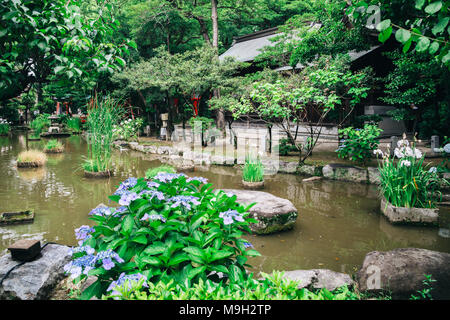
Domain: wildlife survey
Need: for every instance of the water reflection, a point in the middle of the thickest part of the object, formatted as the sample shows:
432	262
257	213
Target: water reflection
338	223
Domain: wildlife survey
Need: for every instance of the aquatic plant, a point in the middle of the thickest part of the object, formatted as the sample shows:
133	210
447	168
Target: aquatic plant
152	172
406	181
253	170
31	158
170	228
54	145
100	122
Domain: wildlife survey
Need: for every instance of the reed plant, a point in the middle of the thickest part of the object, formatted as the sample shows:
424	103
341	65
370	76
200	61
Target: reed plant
404	179
102	117
253	170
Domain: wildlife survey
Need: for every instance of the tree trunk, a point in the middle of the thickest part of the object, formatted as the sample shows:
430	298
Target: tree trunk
215	24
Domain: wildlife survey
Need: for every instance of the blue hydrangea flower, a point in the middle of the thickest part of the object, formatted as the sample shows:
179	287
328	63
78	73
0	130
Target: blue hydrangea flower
127	197
248	245
125	186
106	258
200	179
153	217
123	278
230	216
153	193
168	177
83	233
184	201
120	210
87	249
101	211
152	184
80	265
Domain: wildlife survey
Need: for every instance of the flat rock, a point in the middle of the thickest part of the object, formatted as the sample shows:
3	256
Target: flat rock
273	213
337	171
320	279
33	280
402	272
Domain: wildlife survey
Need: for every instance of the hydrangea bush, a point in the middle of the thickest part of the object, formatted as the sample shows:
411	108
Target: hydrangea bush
358	144
405	181
169	227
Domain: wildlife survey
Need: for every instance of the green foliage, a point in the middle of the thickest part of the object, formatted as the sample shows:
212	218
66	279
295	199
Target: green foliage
53	144
152	172
253	170
55	40
172	227
408	182
420	24
40	123
4	127
358	144
271	287
284	148
425	293
74	124
100	123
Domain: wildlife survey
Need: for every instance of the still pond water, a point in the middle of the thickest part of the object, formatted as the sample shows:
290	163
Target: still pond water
338	223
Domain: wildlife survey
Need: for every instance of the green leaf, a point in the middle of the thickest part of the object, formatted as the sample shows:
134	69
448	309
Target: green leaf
252	253
419	4
220	255
94	289
433	7
440	26
177	259
58	69
402	35
383	25
385	35
422	44
235	274
142	239
192	273
156	248
127	225
434	47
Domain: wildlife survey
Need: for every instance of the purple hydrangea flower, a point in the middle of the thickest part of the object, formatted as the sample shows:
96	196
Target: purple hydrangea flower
80	266
87	249
152	184
230	216
125	186
248	245
127	197
131	278
168	177
106	258
83	233
153	217
184	201
200	179
101	211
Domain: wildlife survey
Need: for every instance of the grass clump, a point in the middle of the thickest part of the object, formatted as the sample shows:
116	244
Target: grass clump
152	172
54	145
31	158
253	170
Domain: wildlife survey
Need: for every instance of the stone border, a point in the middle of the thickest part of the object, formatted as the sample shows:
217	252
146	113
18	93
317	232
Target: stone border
98	175
402	215
332	171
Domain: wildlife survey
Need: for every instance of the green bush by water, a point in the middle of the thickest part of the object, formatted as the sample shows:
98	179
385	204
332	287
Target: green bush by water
152	172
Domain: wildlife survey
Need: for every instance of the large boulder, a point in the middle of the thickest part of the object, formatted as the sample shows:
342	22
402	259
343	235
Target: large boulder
320	279
33	280
337	171
274	214
402	272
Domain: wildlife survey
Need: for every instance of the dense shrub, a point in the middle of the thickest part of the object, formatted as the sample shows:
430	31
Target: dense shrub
171	227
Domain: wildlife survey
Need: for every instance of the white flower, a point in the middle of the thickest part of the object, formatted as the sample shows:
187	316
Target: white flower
406	163
378	152
417	153
447	148
403	143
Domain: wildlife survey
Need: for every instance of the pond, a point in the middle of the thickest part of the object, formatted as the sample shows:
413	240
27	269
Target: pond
338	223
